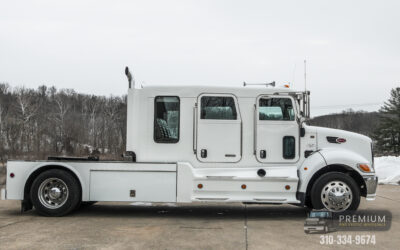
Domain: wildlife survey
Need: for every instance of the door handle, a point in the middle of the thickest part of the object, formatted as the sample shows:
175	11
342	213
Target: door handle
263	154
203	153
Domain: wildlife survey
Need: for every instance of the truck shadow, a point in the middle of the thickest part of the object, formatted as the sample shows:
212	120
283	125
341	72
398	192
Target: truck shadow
238	211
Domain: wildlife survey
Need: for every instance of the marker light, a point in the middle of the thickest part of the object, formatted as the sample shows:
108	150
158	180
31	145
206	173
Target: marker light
286	86
12	175
364	168
200	186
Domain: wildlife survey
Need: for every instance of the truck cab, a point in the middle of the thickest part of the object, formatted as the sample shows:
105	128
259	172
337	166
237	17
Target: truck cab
213	144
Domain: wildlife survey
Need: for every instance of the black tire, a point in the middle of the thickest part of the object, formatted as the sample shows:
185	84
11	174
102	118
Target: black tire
71	202
334	176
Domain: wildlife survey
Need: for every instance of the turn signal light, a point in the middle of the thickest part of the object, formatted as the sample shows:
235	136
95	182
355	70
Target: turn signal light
364	168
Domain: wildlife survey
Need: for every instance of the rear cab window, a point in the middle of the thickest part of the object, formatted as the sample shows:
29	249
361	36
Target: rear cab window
166	119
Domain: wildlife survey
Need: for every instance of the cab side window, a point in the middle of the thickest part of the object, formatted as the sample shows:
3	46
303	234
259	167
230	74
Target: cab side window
276	109
166	119
218	108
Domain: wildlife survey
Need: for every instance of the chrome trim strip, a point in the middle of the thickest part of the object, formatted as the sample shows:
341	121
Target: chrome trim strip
278	200
195	129
212	199
220	177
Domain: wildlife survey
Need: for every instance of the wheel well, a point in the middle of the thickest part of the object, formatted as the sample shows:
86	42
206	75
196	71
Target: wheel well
337	168
38	171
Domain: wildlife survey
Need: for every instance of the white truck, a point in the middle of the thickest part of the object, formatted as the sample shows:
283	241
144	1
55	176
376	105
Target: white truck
189	144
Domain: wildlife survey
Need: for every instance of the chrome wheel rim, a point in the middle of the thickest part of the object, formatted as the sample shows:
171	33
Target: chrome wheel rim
336	196
53	193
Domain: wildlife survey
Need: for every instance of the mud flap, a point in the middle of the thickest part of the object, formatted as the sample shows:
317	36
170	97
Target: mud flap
26	206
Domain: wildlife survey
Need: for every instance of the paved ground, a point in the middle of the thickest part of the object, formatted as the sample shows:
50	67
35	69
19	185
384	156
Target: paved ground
116	226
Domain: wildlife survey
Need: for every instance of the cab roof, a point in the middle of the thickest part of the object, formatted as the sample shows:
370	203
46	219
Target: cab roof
196	90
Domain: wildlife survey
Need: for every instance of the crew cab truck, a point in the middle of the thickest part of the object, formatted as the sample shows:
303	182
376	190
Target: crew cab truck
209	144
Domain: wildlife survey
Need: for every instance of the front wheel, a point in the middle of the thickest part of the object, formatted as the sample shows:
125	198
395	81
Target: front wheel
55	192
336	192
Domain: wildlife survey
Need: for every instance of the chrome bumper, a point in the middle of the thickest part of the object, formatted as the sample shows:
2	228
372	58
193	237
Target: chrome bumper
3	194
371	183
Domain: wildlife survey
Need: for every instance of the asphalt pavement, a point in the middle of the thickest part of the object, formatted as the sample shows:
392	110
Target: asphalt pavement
194	226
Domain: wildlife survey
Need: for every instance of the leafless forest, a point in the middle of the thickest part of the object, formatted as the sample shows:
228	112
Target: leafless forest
356	121
37	123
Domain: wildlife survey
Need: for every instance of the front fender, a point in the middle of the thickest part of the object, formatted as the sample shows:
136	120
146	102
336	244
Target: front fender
309	167
328	157
335	156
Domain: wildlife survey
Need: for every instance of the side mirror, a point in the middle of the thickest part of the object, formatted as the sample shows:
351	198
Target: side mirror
302	129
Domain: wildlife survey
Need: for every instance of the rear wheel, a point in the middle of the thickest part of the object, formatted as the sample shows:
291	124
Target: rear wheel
55	192
336	192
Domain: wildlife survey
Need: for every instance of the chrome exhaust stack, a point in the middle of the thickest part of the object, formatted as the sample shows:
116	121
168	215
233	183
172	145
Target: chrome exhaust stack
130	78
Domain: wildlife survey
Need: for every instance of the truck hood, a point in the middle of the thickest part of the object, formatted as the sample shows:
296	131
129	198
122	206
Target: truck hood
321	131
328	138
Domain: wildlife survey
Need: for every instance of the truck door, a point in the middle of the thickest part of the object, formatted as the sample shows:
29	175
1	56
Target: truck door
218	128
277	131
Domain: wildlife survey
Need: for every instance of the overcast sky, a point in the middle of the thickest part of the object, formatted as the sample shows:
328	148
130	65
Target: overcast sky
352	48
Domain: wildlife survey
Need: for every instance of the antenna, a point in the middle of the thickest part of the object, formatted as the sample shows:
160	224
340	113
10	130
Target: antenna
294	73
266	84
305	75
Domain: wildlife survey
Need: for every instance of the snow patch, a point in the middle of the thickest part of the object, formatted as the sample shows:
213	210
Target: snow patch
388	169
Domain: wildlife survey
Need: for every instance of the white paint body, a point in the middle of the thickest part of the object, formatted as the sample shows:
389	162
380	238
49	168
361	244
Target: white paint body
171	172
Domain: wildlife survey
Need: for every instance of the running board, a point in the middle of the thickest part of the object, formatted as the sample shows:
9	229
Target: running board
270	200
212	199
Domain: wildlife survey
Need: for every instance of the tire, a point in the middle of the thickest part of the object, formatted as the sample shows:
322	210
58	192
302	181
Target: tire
336	178
55	192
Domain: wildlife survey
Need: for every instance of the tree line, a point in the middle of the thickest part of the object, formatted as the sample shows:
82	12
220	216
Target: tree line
383	126
36	123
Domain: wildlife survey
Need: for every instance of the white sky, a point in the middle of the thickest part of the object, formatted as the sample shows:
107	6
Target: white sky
352	48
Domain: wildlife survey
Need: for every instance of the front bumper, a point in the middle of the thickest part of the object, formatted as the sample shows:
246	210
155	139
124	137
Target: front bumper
371	183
